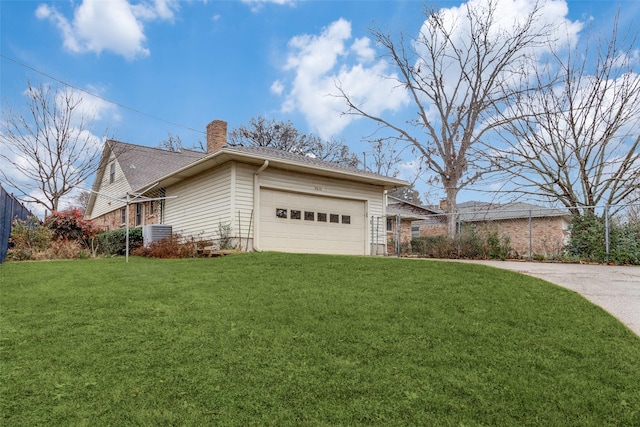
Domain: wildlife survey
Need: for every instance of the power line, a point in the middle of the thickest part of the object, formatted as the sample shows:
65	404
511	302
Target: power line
98	96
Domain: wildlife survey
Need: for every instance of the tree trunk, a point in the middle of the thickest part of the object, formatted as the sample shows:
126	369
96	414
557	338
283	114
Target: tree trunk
452	211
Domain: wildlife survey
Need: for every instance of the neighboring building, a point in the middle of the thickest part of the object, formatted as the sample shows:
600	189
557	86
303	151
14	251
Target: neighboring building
269	199
402	217
531	229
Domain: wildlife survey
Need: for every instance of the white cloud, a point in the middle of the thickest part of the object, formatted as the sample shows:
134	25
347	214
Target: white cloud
257	5
508	18
362	47
277	87
97	108
114	25
319	62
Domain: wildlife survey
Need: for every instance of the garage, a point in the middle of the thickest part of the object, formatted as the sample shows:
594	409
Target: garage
305	223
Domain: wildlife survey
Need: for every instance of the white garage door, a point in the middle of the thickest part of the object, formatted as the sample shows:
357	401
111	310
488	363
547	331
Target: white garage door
293	222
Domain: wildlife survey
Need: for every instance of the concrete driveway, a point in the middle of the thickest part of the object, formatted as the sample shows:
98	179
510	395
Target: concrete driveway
614	288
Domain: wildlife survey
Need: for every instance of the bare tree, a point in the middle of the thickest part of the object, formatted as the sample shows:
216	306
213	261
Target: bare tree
49	149
384	157
577	142
174	143
81	200
262	132
408	194
457	74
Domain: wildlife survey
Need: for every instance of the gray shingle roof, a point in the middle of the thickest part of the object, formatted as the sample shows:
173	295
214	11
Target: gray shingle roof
408	210
142	165
483	211
299	158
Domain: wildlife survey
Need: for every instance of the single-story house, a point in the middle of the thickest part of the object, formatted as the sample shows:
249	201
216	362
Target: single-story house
267	199
401	216
531	229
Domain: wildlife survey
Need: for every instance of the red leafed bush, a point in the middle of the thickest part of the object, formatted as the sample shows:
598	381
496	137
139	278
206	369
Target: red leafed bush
172	247
70	225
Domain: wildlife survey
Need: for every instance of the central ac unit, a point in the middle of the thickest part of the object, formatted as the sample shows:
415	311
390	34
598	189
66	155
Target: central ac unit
155	232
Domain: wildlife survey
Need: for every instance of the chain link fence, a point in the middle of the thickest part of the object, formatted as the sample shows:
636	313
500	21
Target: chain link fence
519	231
10	209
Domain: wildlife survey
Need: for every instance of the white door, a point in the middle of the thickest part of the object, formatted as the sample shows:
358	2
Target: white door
303	223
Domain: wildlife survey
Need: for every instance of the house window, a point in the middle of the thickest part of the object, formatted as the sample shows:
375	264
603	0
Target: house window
296	214
152	207
123	215
346	219
415	231
112	173
322	217
389	224
334	218
309	216
138	214
281	213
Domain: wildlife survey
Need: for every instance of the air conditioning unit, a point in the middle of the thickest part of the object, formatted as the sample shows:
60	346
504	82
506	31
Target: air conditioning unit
155	232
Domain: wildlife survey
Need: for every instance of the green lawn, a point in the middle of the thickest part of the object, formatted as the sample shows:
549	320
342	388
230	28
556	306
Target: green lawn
306	340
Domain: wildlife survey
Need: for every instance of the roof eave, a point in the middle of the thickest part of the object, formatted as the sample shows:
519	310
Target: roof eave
226	154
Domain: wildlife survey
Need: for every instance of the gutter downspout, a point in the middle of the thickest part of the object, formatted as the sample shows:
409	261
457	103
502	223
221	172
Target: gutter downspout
256	206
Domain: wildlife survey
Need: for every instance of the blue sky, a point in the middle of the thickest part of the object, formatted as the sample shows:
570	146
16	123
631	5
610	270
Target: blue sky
173	66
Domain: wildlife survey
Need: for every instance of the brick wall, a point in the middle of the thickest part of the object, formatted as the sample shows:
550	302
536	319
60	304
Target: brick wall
405	236
113	220
548	235
432	230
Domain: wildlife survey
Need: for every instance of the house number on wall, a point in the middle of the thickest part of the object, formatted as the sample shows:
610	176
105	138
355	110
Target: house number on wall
318	188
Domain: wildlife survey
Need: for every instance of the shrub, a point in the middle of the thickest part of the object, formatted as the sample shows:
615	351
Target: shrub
498	248
115	242
70	225
172	247
434	247
587	237
471	245
27	239
624	247
588	240
62	249
225	241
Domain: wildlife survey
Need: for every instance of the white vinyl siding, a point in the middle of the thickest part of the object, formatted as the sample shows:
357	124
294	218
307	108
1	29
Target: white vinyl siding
244	222
202	203
330	187
117	189
205	201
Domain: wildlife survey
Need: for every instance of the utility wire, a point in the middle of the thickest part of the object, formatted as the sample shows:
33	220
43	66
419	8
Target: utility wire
98	96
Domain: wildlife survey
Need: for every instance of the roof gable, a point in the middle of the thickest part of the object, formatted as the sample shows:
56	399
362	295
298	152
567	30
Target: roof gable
408	210
143	165
139	164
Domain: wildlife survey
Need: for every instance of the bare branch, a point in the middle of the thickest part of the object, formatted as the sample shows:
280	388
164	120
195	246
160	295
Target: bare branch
50	149
458	76
577	141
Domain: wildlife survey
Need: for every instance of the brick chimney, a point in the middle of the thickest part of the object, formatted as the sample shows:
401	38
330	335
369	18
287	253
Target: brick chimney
216	135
